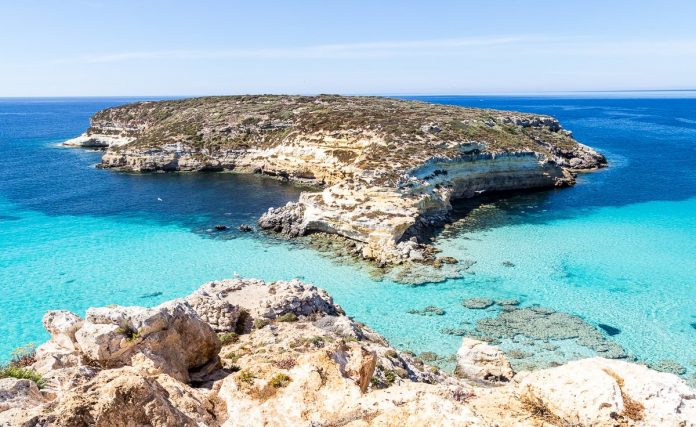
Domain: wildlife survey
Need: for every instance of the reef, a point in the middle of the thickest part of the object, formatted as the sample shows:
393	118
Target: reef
245	352
387	169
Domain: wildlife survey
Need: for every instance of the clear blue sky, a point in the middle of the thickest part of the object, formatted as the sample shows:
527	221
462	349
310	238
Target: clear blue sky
157	47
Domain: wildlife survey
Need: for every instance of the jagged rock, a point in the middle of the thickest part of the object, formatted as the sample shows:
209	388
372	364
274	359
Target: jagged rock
322	369
221	303
18	394
124	397
245	228
169	338
593	392
287	220
479	361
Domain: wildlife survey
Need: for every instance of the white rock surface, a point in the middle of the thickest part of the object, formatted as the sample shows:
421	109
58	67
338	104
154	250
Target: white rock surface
606	392
479	361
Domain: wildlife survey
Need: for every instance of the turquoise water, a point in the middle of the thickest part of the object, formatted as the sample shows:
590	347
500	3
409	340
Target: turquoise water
617	249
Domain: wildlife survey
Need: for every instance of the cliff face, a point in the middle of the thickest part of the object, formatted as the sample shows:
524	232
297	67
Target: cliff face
249	353
388	166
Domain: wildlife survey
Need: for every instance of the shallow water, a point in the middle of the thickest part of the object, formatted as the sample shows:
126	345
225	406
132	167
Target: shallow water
618	249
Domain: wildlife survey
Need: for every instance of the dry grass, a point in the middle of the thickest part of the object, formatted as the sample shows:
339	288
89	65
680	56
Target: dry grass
540	411
633	409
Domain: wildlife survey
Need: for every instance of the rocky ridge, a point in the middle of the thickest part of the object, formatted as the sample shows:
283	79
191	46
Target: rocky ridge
388	168
246	352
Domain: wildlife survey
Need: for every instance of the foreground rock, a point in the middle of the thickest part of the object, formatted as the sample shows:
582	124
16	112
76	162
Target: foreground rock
607	392
389	168
290	356
479	361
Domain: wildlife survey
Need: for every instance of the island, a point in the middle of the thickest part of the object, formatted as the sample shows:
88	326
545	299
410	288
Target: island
387	169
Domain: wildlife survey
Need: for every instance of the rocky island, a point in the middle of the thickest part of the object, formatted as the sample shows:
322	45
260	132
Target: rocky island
388	169
245	352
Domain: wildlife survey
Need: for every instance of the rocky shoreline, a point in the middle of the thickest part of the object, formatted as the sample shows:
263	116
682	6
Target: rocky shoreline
247	352
388	169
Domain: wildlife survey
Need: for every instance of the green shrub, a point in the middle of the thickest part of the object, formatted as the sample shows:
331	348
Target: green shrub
390	377
131	334
288	317
228	338
21	373
279	380
260	323
232	356
246	376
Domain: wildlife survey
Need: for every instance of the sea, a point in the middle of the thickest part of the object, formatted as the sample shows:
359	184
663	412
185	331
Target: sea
617	249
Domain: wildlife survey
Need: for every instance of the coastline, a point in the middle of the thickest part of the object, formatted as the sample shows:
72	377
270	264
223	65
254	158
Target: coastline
240	352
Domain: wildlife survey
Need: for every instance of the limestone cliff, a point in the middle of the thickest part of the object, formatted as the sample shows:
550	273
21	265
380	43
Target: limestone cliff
388	167
249	353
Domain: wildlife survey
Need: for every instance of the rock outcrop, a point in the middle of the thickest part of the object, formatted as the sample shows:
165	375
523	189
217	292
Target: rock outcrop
389	168
609	392
479	361
299	360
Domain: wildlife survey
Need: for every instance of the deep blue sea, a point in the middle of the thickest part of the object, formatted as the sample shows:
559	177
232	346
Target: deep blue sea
619	248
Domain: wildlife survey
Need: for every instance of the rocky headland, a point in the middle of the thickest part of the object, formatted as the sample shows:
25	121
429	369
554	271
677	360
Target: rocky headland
249	353
386	169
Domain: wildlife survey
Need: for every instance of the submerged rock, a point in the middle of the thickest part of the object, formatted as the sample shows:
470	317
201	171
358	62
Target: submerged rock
545	324
669	366
609	329
478	303
430	310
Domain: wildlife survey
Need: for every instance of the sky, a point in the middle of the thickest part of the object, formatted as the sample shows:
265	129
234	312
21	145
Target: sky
206	47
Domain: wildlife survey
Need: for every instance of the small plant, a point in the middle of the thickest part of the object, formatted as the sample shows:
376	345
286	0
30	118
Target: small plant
23	356
130	333
22	373
288	317
246	376
390	377
316	341
228	338
234	368
279	380
260	323
232	356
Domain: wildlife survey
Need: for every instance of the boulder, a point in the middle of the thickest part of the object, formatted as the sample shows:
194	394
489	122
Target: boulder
479	361
61	350
222	303
170	338
604	392
62	325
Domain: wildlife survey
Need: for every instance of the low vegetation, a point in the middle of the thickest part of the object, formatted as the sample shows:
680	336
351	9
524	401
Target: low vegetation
18	367
228	338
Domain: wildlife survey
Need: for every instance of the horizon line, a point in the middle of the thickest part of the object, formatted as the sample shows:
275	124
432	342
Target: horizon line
385	94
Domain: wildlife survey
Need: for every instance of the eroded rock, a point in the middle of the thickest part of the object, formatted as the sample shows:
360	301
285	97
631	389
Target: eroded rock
479	361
